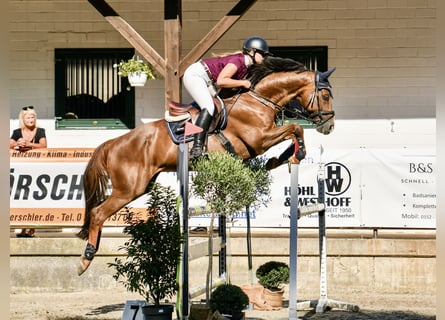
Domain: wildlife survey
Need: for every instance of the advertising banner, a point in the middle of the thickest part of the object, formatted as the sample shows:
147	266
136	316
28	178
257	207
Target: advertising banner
342	193
399	188
46	188
372	188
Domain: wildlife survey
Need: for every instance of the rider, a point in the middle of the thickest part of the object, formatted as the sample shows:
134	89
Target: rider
226	71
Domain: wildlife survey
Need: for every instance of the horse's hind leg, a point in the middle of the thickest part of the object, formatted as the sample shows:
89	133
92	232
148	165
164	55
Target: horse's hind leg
98	217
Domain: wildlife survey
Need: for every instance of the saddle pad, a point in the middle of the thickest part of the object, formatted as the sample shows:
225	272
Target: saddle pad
176	132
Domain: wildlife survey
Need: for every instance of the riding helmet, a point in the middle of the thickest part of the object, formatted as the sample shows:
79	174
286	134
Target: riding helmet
256	43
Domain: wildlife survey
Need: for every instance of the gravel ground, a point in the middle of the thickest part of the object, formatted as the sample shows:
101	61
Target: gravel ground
109	305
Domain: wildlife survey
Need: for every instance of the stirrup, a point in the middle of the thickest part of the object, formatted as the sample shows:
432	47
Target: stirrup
195	158
196	154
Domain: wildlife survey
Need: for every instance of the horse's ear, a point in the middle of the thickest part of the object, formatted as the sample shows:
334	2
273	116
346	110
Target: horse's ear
323	80
325	75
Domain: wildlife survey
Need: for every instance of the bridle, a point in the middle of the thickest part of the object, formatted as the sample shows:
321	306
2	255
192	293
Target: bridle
300	112
316	118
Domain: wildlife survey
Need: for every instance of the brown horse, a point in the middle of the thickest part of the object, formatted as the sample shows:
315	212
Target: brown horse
134	159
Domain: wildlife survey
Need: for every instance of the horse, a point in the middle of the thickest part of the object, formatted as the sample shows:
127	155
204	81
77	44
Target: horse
133	160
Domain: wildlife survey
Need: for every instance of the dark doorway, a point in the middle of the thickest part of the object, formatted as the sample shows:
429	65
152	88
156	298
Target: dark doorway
87	86
313	57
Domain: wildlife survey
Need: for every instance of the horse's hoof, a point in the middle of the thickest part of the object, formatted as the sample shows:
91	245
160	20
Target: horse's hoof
83	265
294	160
272	163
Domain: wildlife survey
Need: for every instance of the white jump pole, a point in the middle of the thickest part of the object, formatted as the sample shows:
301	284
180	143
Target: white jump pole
293	168
293	242
324	303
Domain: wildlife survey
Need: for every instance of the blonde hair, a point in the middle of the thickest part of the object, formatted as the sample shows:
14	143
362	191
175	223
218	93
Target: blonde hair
22	115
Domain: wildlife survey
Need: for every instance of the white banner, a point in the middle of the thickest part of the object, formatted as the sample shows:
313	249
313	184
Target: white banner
375	188
399	188
372	188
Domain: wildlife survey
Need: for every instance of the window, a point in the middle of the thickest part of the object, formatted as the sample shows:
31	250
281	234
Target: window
313	57
88	91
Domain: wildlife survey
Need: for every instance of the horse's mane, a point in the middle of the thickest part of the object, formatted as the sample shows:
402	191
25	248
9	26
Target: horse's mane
271	65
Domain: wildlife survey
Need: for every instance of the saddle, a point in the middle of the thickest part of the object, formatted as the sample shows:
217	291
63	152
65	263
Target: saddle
178	114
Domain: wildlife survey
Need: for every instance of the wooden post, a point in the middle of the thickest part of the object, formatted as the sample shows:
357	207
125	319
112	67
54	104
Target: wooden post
172	45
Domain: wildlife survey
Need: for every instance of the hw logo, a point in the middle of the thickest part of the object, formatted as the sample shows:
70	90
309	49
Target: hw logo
337	179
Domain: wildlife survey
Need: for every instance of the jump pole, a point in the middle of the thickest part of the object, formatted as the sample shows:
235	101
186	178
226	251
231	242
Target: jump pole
293	242
293	169
183	177
323	302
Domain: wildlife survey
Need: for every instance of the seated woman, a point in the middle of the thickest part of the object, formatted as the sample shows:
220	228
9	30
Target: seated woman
27	136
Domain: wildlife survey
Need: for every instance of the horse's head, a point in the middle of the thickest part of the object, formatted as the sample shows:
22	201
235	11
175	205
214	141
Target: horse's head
316	101
287	82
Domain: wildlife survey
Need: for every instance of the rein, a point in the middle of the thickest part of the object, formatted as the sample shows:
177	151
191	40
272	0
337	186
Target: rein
264	101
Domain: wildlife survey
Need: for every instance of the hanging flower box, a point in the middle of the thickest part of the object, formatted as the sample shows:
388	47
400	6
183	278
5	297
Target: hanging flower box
137	79
136	70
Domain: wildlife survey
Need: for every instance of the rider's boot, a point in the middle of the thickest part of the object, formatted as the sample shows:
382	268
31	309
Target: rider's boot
204	120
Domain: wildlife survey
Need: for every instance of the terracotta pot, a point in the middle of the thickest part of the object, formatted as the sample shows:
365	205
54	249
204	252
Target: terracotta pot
256	296
273	298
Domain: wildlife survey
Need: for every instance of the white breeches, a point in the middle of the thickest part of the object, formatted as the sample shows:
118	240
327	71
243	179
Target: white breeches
195	81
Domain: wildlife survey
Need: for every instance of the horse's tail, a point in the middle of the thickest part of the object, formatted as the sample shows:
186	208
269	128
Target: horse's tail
95	180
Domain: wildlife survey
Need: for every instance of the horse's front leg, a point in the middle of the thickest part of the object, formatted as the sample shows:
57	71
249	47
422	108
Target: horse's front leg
295	152
299	151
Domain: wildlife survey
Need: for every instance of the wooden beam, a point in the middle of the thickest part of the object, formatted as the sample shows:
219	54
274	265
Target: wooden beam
172	68
131	35
172	46
215	34
141	46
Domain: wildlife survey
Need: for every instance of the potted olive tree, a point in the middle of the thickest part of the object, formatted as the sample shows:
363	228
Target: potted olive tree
230	301
227	185
272	275
137	71
153	253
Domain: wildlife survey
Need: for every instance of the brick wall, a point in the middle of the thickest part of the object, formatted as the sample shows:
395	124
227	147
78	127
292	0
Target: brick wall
384	51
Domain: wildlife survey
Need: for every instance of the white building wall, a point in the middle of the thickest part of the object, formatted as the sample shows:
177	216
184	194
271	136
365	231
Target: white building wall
384	51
